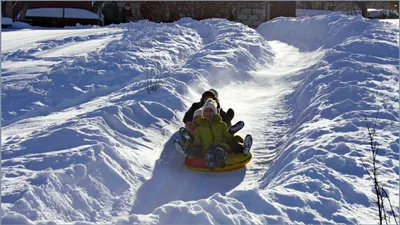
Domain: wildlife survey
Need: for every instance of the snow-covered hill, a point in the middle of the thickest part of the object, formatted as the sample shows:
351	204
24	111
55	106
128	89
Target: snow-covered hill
89	116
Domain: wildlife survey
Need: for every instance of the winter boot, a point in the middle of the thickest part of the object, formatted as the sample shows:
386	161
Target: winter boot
220	156
248	141
236	127
180	148
186	136
210	160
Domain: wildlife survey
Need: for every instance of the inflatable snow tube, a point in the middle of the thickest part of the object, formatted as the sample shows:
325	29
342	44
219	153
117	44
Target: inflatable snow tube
233	162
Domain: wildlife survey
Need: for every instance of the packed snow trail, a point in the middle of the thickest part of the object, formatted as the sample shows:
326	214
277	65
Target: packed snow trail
258	103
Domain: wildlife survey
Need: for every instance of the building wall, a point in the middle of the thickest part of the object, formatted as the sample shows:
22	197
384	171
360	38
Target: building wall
11	9
60	4
135	10
20	8
287	9
251	13
60	22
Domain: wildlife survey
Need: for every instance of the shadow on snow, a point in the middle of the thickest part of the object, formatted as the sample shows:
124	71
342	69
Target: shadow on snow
171	181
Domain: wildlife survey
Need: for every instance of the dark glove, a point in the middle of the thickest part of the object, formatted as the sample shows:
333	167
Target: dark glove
230	113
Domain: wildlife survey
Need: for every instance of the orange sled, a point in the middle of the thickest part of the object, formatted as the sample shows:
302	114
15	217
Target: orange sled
233	162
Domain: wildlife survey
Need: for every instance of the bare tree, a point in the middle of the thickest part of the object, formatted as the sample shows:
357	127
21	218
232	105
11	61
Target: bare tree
200	10
381	194
321	5
364	8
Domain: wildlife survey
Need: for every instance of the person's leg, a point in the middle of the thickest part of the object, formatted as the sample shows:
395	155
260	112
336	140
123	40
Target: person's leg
236	147
186	136
236	127
248	142
196	151
209	158
180	148
236	144
221	155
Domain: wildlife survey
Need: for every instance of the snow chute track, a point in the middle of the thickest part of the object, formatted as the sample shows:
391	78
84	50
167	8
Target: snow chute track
233	162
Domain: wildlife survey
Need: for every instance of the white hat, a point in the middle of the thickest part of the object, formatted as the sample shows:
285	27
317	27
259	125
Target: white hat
198	112
210	104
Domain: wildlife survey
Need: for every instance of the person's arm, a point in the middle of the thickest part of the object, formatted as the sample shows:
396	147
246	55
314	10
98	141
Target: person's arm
193	126
197	137
222	113
225	117
189	114
189	127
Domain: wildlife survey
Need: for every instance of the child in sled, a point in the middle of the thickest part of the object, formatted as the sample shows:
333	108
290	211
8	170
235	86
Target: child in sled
212	93
213	140
188	137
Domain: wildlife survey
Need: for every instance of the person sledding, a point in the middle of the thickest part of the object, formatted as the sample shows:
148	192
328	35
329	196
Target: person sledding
212	93
188	137
212	139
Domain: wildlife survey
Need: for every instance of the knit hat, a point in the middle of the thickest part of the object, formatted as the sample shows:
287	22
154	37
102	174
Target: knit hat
213	92
210	104
198	112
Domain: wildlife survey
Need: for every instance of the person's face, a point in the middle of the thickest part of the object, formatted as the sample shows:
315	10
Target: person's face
207	96
208	113
196	119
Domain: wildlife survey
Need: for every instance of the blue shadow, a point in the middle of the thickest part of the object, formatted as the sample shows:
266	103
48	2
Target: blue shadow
171	181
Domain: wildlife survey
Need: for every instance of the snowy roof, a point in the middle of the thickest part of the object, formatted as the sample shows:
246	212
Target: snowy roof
58	13
6	21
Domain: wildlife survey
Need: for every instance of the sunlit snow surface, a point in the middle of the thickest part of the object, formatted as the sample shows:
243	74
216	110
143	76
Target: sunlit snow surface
84	139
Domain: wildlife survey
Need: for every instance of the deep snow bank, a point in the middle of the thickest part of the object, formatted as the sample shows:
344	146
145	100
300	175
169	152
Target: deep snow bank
144	49
230	52
319	161
309	34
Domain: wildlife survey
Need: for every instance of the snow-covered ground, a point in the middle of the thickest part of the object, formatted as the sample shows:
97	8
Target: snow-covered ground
6	21
89	116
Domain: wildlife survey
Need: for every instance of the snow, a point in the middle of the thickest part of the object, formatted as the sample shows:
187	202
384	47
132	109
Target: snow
20	25
6	21
89	116
376	13
61	13
45	12
80	13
